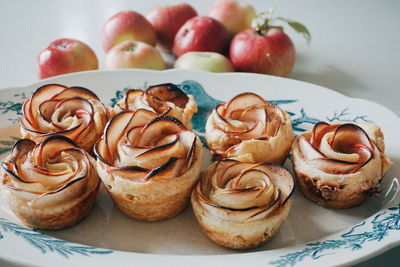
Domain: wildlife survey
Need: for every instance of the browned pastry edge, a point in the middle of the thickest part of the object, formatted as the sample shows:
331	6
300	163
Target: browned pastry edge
238	242
165	208
309	189
48	220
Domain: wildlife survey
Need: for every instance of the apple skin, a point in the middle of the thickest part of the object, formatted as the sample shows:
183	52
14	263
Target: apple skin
209	61
65	56
167	20
127	25
200	33
133	54
272	53
234	15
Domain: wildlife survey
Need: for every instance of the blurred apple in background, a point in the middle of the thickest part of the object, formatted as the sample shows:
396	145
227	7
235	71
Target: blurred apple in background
269	53
64	56
266	48
127	25
167	20
234	15
133	54
209	61
200	34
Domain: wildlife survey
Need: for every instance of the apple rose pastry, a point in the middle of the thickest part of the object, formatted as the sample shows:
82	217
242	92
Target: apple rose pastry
340	165
74	112
242	205
50	185
148	163
163	99
249	129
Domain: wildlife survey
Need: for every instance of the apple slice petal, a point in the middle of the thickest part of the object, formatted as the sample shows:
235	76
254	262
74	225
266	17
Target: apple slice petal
220	121
114	129
346	135
170	169
167	92
141	118
281	178
158	128
319	130
243	100
42	94
101	151
159	151
74	104
131	173
21	147
76	91
51	147
46	109
333	166
307	150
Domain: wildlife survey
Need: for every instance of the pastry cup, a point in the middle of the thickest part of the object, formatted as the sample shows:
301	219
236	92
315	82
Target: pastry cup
242	205
340	165
149	164
163	99
50	185
249	129
74	112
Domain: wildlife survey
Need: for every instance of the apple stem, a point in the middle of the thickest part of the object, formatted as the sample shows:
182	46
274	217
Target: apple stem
62	46
263	23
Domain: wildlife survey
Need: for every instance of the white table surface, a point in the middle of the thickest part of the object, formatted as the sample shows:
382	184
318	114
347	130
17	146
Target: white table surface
355	47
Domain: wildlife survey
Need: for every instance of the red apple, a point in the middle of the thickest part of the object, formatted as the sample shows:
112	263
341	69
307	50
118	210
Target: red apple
209	61
270	53
127	25
64	56
234	15
200	34
167	20
134	54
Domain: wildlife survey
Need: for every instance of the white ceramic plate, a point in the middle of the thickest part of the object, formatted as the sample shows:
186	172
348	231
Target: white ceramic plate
311	234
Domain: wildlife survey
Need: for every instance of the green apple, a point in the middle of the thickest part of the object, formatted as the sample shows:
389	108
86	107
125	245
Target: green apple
209	61
133	54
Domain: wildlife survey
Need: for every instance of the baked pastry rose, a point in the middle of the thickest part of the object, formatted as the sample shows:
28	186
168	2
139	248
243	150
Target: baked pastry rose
340	165
49	185
242	205
249	129
149	164
163	99
74	112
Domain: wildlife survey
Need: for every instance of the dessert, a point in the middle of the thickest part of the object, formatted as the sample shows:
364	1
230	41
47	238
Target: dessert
49	185
148	163
249	129
340	165
242	205
163	99
74	112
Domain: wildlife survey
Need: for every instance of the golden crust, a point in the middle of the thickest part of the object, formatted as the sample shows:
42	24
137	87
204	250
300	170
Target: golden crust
53	218
310	190
230	237
153	200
